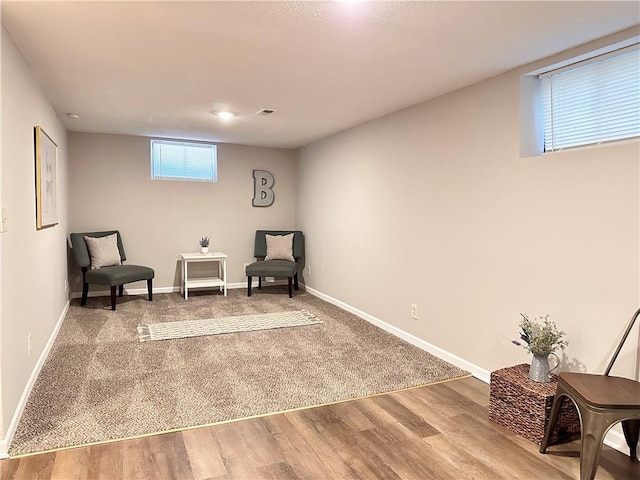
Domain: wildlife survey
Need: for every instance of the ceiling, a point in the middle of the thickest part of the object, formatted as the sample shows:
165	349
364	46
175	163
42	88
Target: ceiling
163	68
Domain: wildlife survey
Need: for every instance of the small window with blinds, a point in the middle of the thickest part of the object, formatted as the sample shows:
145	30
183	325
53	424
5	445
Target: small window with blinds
592	102
192	161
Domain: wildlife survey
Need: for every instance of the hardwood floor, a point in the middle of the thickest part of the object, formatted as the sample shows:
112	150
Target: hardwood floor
434	432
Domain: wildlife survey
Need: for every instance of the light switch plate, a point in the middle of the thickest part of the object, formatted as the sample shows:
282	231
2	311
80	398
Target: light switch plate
3	224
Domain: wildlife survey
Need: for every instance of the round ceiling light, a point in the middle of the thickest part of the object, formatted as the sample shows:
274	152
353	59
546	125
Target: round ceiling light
225	115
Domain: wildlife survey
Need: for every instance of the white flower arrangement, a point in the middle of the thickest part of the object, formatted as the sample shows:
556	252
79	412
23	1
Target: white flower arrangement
540	336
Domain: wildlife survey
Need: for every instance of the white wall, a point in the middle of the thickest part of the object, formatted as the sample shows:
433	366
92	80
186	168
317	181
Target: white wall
34	262
110	188
433	206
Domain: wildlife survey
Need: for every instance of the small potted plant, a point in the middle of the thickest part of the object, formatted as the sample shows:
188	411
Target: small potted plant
541	337
204	245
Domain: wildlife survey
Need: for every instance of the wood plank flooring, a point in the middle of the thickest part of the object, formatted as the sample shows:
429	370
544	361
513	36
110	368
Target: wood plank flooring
435	432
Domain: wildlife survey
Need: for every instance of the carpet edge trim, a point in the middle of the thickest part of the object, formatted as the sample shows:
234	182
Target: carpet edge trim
233	420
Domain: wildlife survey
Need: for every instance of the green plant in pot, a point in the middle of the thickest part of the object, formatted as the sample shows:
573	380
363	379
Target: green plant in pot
204	245
542	338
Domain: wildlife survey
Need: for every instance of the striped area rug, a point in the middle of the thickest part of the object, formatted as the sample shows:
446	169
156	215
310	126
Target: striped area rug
218	326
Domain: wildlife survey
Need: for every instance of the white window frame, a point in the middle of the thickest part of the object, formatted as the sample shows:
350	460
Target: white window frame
192	173
589	82
531	122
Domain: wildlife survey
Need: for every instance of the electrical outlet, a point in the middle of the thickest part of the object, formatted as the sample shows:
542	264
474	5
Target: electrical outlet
66	285
414	311
3	224
29	344
244	267
309	270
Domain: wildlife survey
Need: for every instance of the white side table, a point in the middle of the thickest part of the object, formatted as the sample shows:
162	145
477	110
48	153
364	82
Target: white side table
214	281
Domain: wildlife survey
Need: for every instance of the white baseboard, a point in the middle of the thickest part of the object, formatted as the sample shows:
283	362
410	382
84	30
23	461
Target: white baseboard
11	430
127	291
143	291
614	439
254	283
476	371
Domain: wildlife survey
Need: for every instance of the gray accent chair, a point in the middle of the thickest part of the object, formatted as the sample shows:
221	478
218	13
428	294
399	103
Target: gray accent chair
275	268
114	276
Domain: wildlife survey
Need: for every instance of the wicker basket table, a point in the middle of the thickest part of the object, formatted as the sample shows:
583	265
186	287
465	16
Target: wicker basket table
523	406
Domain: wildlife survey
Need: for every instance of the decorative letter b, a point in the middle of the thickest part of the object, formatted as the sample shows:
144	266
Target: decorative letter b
262	184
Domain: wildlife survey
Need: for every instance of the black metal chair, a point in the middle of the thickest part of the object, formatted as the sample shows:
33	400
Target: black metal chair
112	276
278	267
602	401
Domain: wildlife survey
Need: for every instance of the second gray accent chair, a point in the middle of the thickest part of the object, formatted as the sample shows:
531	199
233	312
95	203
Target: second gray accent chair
275	268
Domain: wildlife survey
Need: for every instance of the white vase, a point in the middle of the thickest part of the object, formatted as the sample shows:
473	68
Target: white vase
540	370
204	250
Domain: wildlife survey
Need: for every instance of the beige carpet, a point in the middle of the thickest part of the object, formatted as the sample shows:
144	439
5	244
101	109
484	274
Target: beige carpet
100	383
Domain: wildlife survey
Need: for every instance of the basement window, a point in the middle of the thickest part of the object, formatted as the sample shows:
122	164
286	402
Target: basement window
178	160
594	101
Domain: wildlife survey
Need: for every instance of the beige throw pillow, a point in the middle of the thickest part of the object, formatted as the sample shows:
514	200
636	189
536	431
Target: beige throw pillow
280	247
103	251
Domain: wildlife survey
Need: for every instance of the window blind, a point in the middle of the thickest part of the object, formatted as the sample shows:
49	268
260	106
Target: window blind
183	161
597	101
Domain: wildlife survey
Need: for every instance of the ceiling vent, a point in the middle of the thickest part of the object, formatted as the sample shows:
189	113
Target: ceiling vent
265	111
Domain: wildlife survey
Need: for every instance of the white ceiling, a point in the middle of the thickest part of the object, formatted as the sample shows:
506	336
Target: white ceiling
162	68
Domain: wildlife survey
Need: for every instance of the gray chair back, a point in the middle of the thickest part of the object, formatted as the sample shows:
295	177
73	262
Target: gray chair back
79	246
260	245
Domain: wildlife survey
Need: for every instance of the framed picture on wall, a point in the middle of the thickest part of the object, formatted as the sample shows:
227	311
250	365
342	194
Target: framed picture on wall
46	180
